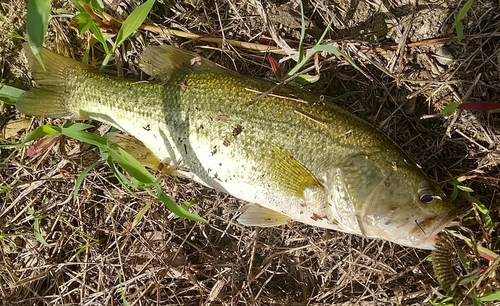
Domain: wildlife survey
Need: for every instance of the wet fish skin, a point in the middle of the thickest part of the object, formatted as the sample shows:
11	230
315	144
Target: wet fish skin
297	157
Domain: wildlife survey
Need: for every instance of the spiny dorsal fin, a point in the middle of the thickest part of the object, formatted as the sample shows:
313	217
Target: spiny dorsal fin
256	215
162	61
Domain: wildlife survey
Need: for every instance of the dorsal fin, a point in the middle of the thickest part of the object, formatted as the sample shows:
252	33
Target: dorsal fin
162	61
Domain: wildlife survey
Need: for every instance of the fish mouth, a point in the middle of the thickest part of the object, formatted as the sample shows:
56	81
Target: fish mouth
427	240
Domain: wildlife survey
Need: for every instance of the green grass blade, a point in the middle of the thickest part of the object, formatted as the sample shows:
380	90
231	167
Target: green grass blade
475	301
9	94
451	107
131	165
37	22
5	189
454	193
77	126
300	64
325	32
482	209
96	5
133	22
335	51
76	3
3	236
126	183
38	234
302	31
494	296
99	36
122	290
463	259
459	26
36	225
8	31
40	132
83	21
130	160
82	248
302	61
487	253
105	62
176	209
81	177
64	11
86	137
480	206
141	214
318	48
306	79
463	11
465	188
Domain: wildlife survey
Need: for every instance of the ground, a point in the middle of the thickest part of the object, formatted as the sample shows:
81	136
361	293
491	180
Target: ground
410	67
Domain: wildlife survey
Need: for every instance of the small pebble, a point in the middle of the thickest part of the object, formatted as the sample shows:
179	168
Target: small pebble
443	56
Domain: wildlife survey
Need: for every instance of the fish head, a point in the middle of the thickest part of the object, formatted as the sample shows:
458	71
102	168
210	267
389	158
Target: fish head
392	199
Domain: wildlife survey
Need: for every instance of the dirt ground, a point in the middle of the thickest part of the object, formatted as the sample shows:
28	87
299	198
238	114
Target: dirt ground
411	67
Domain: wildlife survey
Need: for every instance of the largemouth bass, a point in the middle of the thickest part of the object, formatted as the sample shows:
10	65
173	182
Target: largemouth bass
292	156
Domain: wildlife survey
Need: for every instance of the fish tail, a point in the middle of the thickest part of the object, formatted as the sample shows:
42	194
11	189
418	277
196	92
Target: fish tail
49	97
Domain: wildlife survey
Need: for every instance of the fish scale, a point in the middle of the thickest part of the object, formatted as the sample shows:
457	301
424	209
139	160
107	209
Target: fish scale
291	155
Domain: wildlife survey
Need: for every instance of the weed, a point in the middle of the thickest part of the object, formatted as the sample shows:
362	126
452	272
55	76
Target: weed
9	94
304	57
37	22
459	26
90	16
111	153
122	290
469	255
442	301
36	225
8	31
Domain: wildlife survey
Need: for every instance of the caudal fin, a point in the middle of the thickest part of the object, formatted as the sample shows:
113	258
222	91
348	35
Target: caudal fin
49	98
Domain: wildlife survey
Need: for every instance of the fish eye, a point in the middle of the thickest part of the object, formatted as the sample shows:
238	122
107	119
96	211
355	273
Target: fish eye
425	193
426	198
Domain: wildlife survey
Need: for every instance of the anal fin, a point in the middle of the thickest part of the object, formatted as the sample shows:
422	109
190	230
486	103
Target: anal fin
256	215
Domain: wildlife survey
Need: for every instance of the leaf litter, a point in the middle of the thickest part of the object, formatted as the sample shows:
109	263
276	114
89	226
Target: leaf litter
100	253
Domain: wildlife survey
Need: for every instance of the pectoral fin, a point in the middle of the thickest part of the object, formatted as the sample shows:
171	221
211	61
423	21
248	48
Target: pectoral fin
256	215
291	176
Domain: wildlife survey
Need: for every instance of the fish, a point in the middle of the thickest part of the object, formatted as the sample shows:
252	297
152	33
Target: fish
286	152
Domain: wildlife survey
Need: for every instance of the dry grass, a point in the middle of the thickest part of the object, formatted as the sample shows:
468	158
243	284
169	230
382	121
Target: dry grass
93	256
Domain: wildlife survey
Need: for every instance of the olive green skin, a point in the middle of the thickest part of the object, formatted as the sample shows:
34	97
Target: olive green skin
289	151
